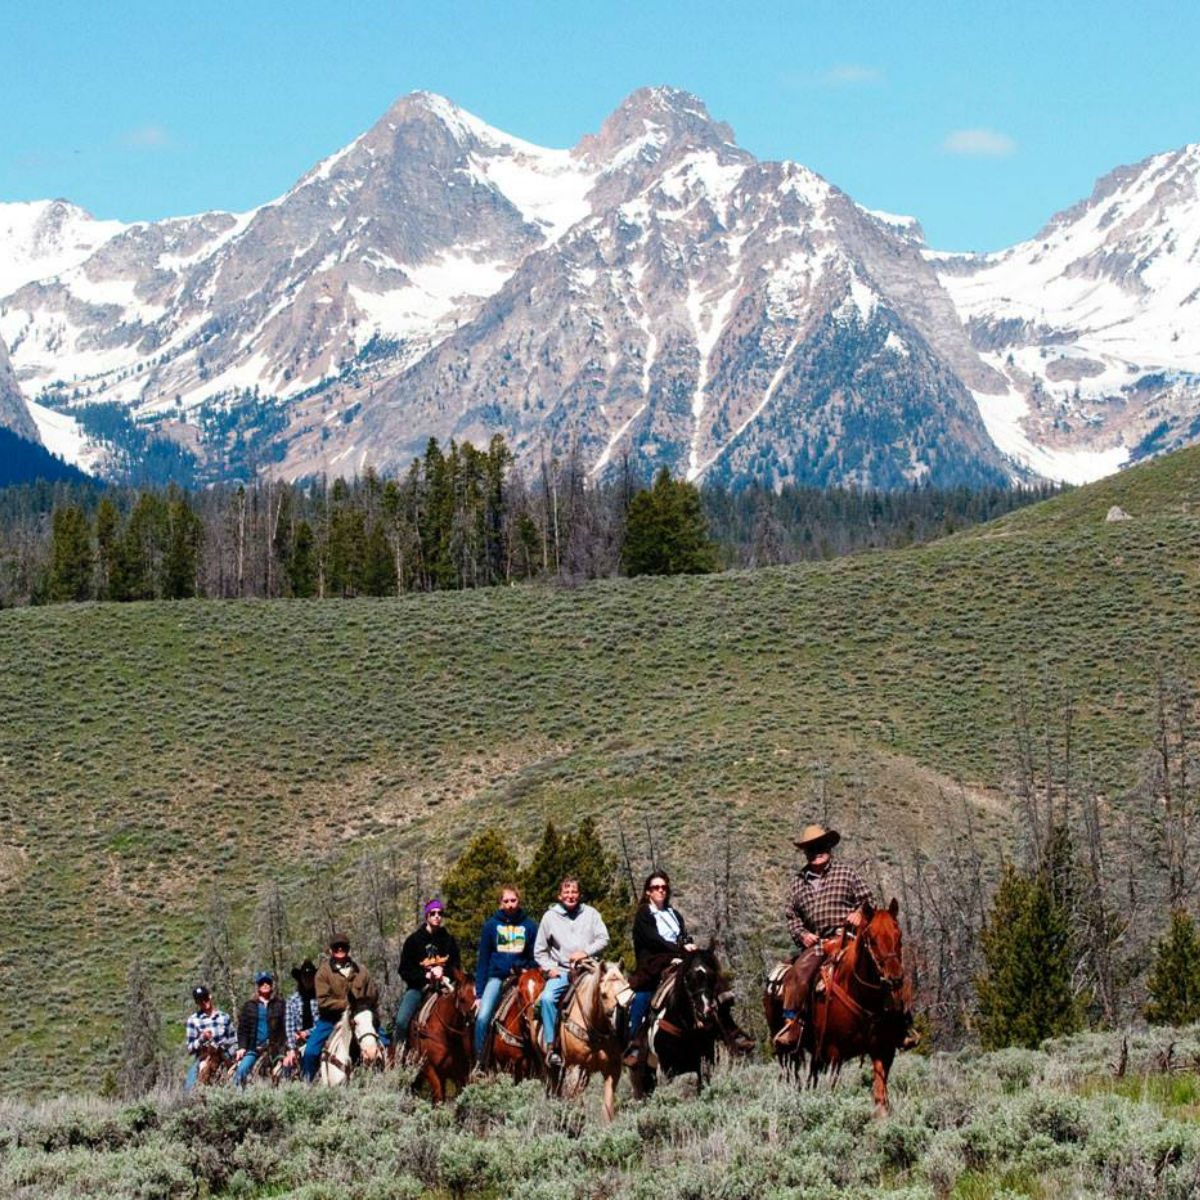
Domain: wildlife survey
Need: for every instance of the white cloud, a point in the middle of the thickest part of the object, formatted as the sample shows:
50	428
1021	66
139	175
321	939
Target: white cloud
147	137
842	76
850	74
979	143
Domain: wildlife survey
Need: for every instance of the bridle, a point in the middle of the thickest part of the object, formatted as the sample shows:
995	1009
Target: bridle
886	982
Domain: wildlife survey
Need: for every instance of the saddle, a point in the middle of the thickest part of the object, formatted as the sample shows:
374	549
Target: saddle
432	995
510	998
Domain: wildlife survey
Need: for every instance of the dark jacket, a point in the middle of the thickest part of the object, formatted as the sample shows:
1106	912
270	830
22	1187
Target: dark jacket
420	947
505	945
652	951
247	1033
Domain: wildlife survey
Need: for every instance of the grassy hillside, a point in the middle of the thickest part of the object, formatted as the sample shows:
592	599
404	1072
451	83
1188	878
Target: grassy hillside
148	751
970	1127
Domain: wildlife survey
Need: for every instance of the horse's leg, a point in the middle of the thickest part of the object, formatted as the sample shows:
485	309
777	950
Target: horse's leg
880	1066
611	1075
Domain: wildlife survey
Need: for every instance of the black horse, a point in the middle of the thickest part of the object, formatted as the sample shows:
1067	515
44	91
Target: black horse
697	1013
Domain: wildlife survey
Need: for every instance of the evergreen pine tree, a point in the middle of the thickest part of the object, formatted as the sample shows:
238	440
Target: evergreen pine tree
141	1052
71	559
108	538
472	886
379	571
302	565
666	532
544	873
1025	991
185	536
1174	983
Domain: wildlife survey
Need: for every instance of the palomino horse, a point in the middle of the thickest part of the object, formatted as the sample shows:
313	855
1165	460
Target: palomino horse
694	1012
860	1010
512	1043
439	1037
336	1057
588	1030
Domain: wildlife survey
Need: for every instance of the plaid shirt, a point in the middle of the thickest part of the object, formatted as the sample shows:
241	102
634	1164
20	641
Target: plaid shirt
220	1025
293	1017
820	903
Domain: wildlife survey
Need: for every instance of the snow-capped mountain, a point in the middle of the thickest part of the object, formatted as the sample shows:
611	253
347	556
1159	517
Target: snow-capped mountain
1095	322
654	293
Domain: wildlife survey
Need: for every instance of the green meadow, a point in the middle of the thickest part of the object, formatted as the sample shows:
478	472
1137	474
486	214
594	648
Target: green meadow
153	753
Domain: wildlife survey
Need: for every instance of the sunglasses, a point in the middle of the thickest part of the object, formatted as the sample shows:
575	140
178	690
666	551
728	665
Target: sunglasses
657	887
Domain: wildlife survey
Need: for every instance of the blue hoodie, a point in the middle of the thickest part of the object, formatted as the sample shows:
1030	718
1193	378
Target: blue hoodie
506	944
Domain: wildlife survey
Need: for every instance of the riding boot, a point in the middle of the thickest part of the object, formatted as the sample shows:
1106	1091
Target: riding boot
791	1033
638	1050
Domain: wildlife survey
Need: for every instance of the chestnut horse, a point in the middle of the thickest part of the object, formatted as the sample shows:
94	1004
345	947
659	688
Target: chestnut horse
439	1038
512	1044
589	1035
860	1011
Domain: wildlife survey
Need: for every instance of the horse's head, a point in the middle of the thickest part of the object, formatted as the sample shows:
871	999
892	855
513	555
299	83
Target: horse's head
703	983
464	996
880	937
610	984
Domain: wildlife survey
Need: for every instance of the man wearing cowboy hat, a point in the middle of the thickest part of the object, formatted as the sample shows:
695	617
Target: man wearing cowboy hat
300	1015
824	897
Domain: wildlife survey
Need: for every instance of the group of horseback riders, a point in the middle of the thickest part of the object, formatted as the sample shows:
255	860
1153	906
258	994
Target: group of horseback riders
826	899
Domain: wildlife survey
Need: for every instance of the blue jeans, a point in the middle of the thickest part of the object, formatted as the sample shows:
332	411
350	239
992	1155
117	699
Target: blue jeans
318	1035
190	1079
245	1067
638	1011
550	994
409	1003
488	999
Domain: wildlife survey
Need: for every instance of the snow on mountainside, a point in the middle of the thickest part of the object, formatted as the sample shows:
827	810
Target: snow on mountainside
43	237
654	294
1095	323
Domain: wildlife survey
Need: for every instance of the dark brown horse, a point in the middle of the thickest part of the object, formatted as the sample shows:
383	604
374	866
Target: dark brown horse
860	1009
511	1045
439	1038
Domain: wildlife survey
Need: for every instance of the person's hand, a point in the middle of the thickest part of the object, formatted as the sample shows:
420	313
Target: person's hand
239	1055
690	947
478	1002
577	956
435	973
289	1059
302	1036
808	940
553	973
206	1035
855	918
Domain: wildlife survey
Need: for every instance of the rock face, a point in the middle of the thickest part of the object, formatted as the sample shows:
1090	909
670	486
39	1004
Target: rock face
1094	323
654	295
14	413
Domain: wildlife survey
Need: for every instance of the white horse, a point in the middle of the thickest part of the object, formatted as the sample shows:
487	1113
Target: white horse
336	1063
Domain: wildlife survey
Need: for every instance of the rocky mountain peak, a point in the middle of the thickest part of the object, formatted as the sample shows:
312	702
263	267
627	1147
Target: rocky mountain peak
656	122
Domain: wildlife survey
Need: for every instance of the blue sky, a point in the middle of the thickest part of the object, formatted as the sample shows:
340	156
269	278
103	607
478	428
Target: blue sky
982	119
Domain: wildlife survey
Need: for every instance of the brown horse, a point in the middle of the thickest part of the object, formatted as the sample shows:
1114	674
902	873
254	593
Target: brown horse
860	1010
589	1035
513	1044
216	1066
439	1038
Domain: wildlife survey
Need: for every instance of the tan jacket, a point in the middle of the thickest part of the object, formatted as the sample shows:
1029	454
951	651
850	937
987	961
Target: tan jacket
336	989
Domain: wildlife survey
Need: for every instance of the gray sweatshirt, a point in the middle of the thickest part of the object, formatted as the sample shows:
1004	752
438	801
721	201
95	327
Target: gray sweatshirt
560	934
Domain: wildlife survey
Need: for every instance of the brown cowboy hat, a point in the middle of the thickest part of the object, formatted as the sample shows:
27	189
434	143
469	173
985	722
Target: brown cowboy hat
817	837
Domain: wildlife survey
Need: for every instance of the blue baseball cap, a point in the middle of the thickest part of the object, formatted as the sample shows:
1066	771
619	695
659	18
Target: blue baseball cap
263	977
